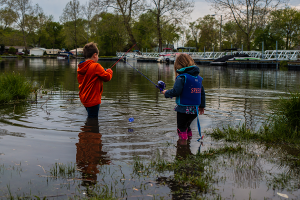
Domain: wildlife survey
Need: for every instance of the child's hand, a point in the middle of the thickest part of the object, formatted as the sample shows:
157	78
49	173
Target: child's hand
110	71
163	92
201	111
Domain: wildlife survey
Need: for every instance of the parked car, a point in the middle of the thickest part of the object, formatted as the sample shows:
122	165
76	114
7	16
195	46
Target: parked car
20	53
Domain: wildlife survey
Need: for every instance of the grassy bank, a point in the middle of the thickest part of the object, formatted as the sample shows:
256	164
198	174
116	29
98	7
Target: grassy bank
282	126
13	86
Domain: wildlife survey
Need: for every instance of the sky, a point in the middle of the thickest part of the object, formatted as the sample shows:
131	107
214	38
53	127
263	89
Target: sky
201	8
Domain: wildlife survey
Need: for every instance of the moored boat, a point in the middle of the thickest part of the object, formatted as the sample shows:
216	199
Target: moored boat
63	55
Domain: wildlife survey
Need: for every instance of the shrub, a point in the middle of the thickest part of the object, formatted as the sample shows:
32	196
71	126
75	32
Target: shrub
13	86
289	110
284	123
11	50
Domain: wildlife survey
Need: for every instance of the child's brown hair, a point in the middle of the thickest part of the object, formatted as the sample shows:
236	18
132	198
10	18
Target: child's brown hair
89	50
183	60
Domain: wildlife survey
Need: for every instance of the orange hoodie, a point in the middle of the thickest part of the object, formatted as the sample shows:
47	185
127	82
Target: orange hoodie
90	76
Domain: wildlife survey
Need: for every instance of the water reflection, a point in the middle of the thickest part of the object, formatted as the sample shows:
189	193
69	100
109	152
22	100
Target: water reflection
247	171
89	152
183	149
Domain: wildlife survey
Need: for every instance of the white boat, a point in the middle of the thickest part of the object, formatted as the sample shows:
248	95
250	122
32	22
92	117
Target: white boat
63	56
167	58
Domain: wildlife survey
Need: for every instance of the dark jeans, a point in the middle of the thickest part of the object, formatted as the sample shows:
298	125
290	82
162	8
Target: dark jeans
184	121
93	111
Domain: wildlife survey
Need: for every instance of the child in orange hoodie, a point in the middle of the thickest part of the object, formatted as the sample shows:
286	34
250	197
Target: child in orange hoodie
90	76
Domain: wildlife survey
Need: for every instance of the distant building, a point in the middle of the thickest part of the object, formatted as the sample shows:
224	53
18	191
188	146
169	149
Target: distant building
18	48
37	51
79	51
52	51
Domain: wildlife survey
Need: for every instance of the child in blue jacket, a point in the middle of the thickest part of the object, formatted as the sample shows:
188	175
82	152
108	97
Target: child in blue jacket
189	94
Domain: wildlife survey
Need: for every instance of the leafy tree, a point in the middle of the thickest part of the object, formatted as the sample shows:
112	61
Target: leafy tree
170	33
269	38
26	16
70	16
89	11
7	17
171	11
286	22
144	30
127	9
232	35
50	35
110	38
39	34
247	14
193	34
69	33
208	32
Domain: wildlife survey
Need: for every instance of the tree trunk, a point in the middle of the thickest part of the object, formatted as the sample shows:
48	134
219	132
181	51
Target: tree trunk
248	43
159	33
129	31
24	39
287	41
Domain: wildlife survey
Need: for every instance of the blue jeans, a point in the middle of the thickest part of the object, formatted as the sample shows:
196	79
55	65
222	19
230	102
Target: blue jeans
93	111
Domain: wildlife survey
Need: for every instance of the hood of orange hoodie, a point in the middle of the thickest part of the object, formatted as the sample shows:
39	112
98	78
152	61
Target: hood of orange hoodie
83	66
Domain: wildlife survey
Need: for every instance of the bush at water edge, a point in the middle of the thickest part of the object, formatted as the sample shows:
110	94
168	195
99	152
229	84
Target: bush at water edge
13	86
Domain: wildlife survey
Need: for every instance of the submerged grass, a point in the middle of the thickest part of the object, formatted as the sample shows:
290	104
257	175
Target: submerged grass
283	125
13	86
193	172
63	170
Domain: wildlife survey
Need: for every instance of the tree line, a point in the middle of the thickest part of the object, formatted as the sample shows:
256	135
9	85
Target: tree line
116	25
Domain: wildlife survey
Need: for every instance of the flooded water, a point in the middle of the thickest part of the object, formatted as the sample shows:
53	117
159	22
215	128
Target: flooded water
39	137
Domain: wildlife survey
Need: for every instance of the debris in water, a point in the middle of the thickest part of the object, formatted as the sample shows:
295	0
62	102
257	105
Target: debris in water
131	119
283	195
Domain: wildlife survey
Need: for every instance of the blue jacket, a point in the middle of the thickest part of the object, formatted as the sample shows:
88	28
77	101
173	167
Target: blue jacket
178	86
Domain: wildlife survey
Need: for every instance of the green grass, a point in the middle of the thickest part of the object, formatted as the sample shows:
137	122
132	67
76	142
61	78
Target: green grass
62	170
13	86
281	126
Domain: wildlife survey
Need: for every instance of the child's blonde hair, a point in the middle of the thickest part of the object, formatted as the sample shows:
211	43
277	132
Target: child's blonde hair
90	49
183	60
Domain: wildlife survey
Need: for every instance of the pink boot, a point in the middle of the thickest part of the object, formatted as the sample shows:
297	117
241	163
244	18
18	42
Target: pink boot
189	134
182	135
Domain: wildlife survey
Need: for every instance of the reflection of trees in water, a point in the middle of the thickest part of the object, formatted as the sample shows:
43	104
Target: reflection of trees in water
14	112
89	152
288	156
179	190
247	170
